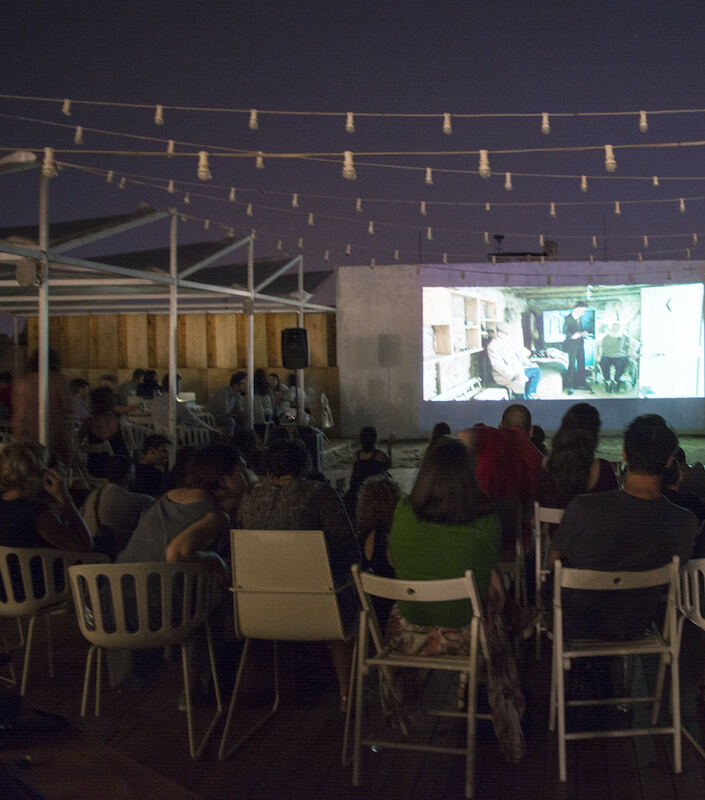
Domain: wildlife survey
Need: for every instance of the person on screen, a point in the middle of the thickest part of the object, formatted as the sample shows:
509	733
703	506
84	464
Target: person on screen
611	352
575	376
510	364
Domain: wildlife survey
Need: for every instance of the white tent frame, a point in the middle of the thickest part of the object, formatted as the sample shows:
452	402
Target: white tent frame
203	298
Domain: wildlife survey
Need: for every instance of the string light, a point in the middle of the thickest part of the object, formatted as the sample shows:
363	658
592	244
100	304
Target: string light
542	242
594	242
280	245
695	239
445	258
123	183
370	227
48	164
617	207
373	263
640	257
203	172
428	180
170	148
484	165
348	250
552	211
206	225
396	255
422	208
253	233
109	176
78	135
170	188
583	183
592	260
358	205
187	198
487	237
295	200
248	210
159	115
66	108
429	234
508	181
655	181
300	243
231	194
681	205
488	207
348	166
645	241
349	122
643	123
326	255
610	160
230	232
545	124
687	253
447	127
259	161
254	122
310	220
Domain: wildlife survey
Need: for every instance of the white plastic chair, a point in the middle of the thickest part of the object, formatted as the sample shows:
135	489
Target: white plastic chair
283	591
370	586
34	583
663	643
147	605
691	604
543	517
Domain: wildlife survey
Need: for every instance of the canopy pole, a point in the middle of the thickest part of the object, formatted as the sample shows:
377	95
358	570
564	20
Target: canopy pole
173	300
300	390
43	312
250	310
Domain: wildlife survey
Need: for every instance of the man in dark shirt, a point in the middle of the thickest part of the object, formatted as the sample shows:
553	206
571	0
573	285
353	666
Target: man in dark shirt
150	477
632	529
574	347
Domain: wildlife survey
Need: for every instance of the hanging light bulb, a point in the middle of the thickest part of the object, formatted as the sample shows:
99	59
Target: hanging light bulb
231	195
230	232
494	259
643	123
370	227
109	176
445	258
484	165
348	250
428	180
592	259
617	207
253	123
552	209
545	124
248	211
170	188
349	122
159	115
594	242
349	172
259	161
326	255
280	245
447	127
487	237
373	263
300	243
429	234
123	183
253	233
681	205
583	183
640	256
645	242
695	239
508	181
310	220
610	160
206	225
204	171
358	205
396	255
48	164
78	135
295	200
488	207
542	242
170	148
422	208
187	198
66	108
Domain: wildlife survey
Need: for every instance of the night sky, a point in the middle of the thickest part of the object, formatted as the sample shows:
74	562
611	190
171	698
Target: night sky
381	57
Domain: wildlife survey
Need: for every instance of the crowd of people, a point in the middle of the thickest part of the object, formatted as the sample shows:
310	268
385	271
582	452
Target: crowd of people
453	519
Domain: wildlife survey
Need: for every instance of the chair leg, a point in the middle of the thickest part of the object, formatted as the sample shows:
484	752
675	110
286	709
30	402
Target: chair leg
552	701
472	726
658	690
348	711
98	679
222	753
196	751
676	715
27	654
87	678
50	654
560	701
359	686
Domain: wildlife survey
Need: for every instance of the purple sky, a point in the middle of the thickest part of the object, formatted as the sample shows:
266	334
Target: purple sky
395	57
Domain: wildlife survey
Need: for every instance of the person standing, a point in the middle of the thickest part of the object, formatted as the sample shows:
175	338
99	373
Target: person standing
574	346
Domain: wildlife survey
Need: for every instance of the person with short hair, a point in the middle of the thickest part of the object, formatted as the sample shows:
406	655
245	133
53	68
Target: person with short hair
150	474
510	364
574	345
129	388
159	408
632	529
227	404
79	389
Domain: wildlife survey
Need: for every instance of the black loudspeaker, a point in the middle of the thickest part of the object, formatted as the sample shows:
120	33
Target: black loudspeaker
295	353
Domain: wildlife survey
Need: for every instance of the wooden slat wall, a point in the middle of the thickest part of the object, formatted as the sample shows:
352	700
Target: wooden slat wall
210	348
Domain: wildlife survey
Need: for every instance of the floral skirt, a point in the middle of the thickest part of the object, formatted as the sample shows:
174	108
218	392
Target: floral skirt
506	701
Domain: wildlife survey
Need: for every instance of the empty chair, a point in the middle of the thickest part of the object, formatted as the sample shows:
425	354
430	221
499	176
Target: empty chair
284	590
140	606
370	586
691	604
663	643
33	583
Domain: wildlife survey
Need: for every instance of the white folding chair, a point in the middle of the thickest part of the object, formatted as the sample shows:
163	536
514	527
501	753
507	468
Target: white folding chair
691	604
284	591
140	606
663	643
370	586
543	517
33	583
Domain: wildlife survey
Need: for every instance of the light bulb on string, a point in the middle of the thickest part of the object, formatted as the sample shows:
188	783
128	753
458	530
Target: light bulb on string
542	242
170	188
488	207
280	245
348	250
655	181
300	243
66	108
248	211
109	176
422	208
310	220
592	259
643	122
545	124
445	258
370	227
583	183
254	122
484	164
259	160
645	242
326	255
594	242
429	234
552	210
508	181
49	164
447	127
159	115
640	257
187	198
231	194
78	135
695	239
349	172
358	205
349	122
123	183
206	224
681	205
295	200
170	151
487	237
204	171
396	255
617	207
428	180
610	160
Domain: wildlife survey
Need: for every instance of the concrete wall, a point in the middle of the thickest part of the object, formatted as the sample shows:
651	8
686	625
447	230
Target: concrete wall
379	347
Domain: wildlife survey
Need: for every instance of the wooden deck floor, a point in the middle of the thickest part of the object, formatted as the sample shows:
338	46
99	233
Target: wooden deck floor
138	747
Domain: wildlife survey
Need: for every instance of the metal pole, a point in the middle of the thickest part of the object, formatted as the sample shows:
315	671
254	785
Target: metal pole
16	346
173	300
43	312
251	332
300	391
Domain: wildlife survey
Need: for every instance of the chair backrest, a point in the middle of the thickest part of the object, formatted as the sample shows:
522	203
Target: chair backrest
283	587
32	578
544	514
691	592
143	605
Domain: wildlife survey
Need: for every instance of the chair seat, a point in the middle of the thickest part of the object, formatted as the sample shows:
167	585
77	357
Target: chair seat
653	643
454	663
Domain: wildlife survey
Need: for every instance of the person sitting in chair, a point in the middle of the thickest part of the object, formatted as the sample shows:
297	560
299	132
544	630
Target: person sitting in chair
612	355
510	365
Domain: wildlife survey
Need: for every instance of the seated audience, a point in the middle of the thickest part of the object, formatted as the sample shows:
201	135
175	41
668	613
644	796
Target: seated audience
150	475
634	529
286	500
368	461
538	438
262	403
105	432
280	395
129	388
672	491
228	404
149	387
159	409
5	395
79	390
510	364
440	429
572	468
36	508
110	511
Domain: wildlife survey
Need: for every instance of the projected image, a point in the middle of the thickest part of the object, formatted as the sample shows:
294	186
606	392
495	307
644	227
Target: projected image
555	342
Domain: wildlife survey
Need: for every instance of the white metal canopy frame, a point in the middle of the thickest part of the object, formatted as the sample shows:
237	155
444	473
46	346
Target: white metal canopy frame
78	285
